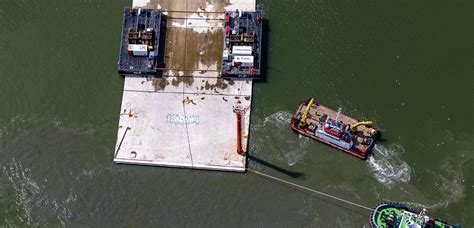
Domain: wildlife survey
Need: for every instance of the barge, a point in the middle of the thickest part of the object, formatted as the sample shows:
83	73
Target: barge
140	41
241	56
398	215
166	122
334	128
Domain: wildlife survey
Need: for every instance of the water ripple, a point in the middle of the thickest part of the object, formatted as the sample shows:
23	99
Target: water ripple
274	139
387	167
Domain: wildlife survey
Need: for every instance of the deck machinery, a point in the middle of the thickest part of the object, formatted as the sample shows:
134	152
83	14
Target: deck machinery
140	41
334	128
242	44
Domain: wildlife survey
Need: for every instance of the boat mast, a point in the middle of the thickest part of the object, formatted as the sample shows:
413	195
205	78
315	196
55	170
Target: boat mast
338	114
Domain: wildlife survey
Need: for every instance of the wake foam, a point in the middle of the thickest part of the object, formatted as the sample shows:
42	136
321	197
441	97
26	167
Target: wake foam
25	190
32	197
450	185
387	167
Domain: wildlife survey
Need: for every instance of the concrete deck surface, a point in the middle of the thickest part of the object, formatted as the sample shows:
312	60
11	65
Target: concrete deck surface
158	125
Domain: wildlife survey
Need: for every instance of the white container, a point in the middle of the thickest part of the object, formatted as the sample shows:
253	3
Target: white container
138	49
225	55
242	50
244	60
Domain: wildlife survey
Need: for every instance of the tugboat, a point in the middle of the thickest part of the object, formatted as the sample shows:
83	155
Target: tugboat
398	215
334	128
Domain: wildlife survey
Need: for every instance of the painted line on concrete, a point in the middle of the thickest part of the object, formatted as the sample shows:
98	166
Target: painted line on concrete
184	87
190	93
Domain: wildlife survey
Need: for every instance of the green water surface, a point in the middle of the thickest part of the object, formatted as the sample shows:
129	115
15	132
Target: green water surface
407	65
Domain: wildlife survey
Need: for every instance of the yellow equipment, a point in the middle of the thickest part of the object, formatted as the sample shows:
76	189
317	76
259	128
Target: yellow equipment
305	114
355	125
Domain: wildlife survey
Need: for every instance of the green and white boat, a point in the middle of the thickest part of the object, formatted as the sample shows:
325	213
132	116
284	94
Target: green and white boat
388	215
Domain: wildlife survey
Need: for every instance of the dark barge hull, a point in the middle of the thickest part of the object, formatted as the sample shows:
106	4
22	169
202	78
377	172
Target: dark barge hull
134	31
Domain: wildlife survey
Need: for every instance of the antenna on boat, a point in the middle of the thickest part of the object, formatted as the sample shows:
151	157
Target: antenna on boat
421	217
338	113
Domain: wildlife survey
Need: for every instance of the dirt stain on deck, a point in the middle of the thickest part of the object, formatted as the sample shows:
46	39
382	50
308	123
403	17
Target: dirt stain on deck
159	83
204	49
220	84
191	50
186	79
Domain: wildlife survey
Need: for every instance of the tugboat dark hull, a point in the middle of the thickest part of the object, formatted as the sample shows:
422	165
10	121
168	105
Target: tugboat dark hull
358	154
350	146
399	215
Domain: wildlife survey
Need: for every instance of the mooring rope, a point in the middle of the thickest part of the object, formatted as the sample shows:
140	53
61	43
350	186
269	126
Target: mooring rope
309	189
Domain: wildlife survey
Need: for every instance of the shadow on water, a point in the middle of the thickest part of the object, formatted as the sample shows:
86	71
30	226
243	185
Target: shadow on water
322	198
277	168
380	138
264	52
